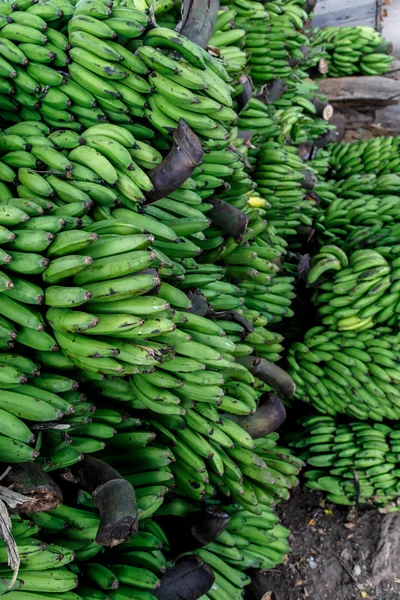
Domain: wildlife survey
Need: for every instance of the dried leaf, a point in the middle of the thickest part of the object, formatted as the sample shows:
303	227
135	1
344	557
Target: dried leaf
311	522
6	534
11	498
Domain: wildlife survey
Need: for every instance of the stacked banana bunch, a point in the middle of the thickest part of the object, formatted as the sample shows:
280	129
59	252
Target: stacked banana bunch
260	120
358	211
193	87
302	111
30	402
348	372
257	478
377	156
358	184
273	37
280	176
73	81
346	220
352	463
228	38
207	452
362	292
133	566
38	560
249	541
245	539
321	164
353	50
43	570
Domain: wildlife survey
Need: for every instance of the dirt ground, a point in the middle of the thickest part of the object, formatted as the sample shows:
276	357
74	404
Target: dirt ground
337	553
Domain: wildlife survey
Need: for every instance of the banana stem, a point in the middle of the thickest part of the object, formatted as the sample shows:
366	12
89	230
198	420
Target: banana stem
188	579
272	91
309	180
269	416
29	480
232	315
185	155
208	524
113	496
200	306
228	218
244	97
384	47
309	6
307	151
324	109
330	137
198	20
270	373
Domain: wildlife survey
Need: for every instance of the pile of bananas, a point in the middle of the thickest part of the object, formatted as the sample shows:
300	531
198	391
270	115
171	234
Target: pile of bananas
151	212
347	221
353	463
248	541
273	37
348	372
351	50
283	180
377	156
303	111
363	291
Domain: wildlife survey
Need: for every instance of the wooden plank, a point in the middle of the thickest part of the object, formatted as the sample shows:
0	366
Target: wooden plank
362	13
330	6
375	90
341	13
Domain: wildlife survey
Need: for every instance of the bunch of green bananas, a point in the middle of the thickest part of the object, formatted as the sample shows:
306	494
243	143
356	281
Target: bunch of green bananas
353	463
347	219
32	52
205	450
228	38
258	118
192	87
243	541
379	155
362	292
348	372
43	566
30	402
321	164
248	542
351	50
302	111
280	177
273	37
134	569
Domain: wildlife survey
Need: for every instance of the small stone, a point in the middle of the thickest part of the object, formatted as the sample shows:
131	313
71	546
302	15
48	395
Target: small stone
312	563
